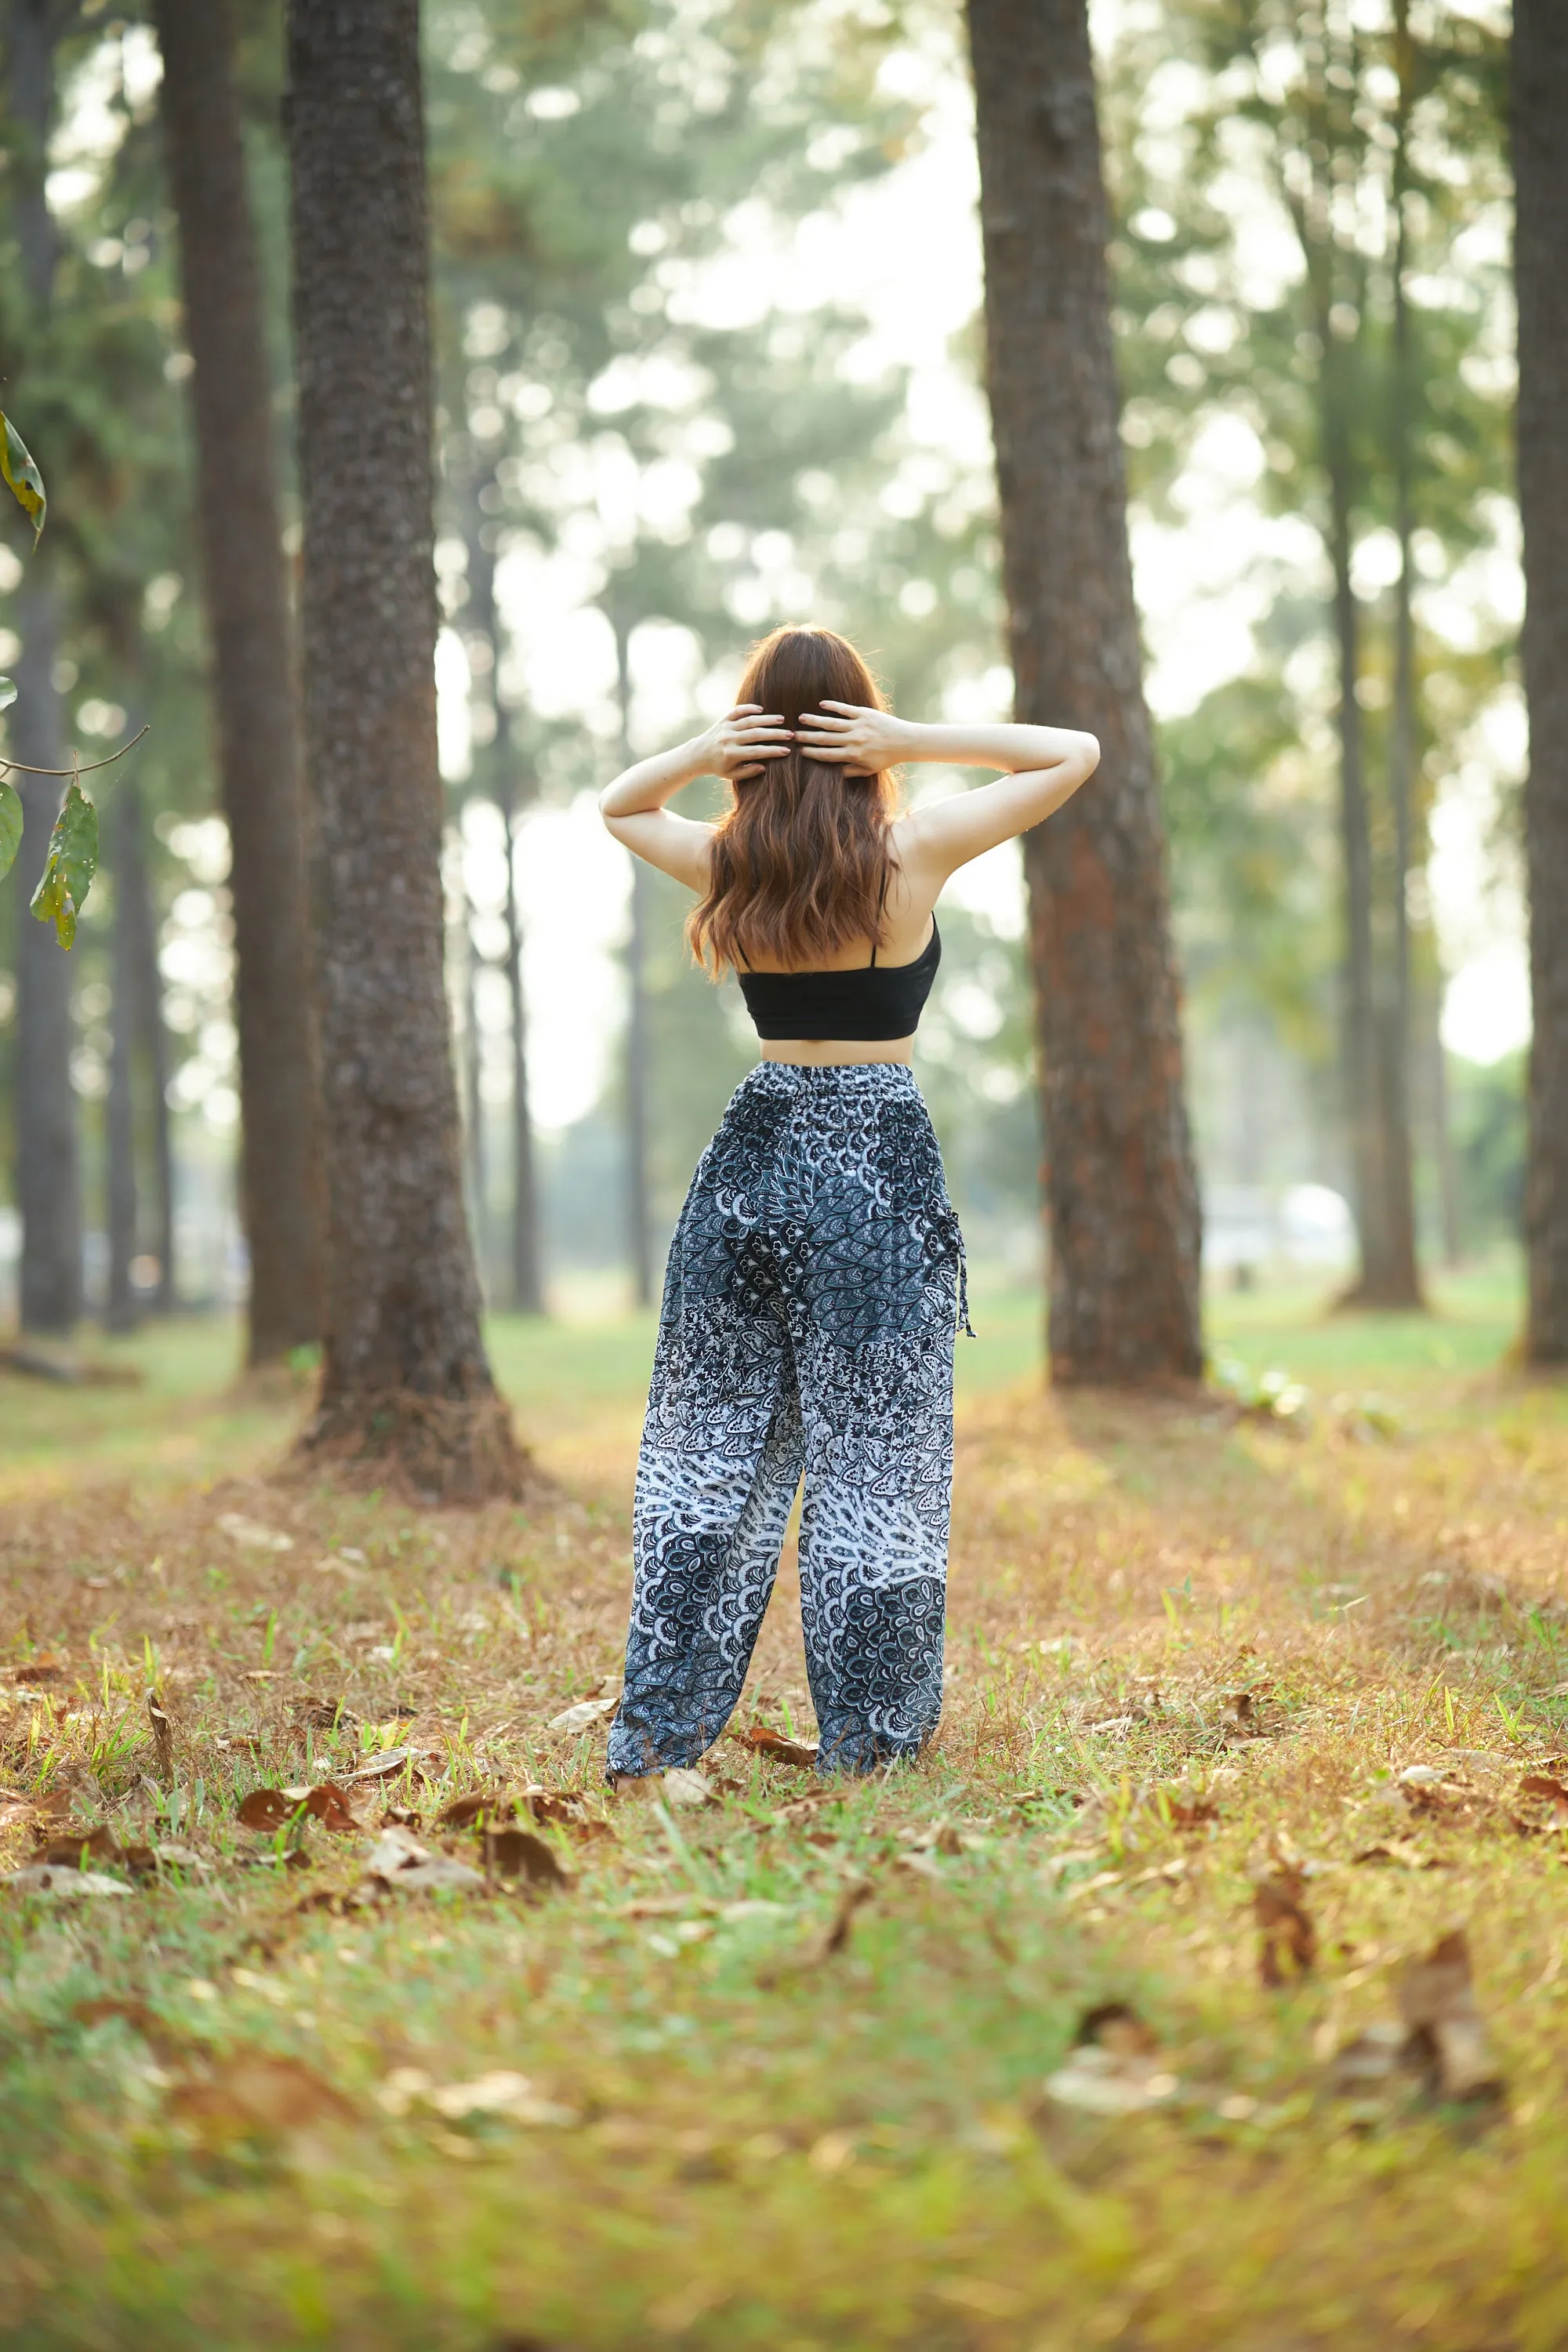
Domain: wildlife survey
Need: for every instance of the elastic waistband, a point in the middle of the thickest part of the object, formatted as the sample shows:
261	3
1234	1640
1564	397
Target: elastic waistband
837	1077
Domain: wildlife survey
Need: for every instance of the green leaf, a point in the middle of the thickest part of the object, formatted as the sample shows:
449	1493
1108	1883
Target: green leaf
7	692
10	827
26	482
71	864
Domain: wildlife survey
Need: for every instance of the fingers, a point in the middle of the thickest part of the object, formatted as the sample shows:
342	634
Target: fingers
849	709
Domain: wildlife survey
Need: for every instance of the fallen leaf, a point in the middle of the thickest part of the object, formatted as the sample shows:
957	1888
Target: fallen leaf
265	1810
478	1805
133	2013
71	1849
1547	1786
385	1767
779	1749
586	1711
254	2094
50	1879
162	1736
1437	2002
682	1786
1187	1813
1420	1775
1114	2068
260	1674
1400	1852
253	1534
47	1669
511	1853
1288	1941
398	1861
325	1714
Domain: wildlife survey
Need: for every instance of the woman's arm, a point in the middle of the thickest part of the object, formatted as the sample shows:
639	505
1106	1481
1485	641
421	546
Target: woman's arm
633	807
1042	767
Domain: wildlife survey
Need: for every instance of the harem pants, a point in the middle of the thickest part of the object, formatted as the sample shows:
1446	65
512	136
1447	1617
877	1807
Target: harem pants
807	1329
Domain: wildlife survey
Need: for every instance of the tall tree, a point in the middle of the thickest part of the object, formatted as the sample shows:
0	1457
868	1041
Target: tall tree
1121	1188
1538	100
49	1181
405	1373
247	608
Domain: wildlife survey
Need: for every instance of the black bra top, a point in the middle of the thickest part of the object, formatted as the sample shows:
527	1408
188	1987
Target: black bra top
870	1003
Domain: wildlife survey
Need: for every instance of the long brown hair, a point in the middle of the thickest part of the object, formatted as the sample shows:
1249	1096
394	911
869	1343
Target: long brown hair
800	862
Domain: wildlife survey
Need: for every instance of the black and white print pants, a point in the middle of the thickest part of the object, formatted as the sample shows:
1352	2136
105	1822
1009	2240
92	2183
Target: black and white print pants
807	1330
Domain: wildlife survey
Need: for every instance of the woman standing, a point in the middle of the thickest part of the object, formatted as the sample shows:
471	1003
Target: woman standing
816	1278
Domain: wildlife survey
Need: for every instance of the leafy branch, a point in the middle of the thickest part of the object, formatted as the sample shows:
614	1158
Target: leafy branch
72	859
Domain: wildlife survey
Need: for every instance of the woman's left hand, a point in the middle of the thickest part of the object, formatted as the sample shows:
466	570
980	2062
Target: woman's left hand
863	741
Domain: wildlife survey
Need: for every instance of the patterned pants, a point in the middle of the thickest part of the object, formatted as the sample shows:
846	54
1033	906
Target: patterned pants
807	1329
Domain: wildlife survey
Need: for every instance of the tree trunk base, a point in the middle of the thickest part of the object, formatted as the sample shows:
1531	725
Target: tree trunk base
1377	1298
434	1449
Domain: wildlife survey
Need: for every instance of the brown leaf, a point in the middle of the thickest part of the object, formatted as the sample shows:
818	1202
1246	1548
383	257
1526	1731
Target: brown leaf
1188	1812
1437	2003
332	1806
517	1853
255	2096
763	1741
399	1817
266	1809
1543	1784
162	1736
48	1669
1288	1941
564	1805
68	1852
1400	1852
325	1714
478	1805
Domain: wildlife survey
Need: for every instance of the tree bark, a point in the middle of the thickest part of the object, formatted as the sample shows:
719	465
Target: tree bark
248	611
1122	1194
473	1094
134	907
48	1179
405	1382
639	1217
119	1110
1539	100
526	1249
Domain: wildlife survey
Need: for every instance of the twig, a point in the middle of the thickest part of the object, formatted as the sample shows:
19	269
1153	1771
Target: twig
76	768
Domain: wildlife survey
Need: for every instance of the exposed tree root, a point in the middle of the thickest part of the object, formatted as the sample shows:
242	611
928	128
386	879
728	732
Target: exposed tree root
434	1449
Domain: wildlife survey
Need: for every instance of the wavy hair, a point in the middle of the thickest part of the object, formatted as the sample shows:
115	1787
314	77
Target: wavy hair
800	861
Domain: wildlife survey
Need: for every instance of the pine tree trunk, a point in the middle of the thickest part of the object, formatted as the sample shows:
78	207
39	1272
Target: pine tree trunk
247	610
639	1192
1122	1194
527	1271
48	1181
136	908
526	1248
120	1119
48	1167
473	1062
1539	112
405	1378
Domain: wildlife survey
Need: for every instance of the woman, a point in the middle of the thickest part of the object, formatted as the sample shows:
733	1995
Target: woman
809	1304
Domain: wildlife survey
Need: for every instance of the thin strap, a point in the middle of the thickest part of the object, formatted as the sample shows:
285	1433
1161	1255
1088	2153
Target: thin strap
882	902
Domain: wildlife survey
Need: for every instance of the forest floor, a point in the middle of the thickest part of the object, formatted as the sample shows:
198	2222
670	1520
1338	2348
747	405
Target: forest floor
1203	1987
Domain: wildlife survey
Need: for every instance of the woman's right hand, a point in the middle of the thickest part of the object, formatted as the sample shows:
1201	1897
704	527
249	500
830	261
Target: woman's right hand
740	743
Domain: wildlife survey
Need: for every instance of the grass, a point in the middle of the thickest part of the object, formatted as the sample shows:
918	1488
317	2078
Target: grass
240	2105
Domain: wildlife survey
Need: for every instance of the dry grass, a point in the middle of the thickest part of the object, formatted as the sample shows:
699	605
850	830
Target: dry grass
764	2106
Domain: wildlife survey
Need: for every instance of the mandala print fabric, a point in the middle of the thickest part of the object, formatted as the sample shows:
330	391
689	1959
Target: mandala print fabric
807	1330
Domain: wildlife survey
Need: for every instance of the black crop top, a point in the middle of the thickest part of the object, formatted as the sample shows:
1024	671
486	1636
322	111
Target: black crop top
870	1003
